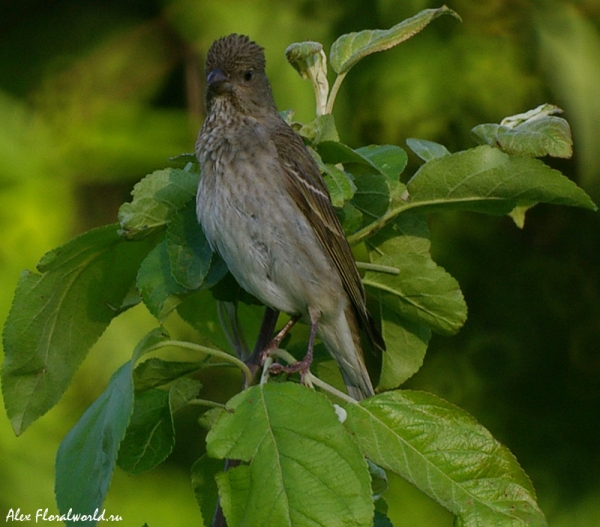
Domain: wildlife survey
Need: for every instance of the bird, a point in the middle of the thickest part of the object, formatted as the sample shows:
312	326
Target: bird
265	209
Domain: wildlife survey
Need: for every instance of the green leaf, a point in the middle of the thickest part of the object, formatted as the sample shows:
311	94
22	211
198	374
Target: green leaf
350	218
57	316
155	199
193	264
208	418
150	436
334	152
303	468
379	480
518	213
160	291
199	310
348	49
87	455
183	391
390	160
444	452
372	197
186	161
156	372
320	129
427	150
387	160
421	292
537	138
204	471
340	185
406	344
484	179
381	520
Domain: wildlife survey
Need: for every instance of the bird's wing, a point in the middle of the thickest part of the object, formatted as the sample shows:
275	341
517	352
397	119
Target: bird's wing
307	187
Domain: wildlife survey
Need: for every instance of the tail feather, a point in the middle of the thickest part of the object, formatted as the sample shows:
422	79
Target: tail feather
342	339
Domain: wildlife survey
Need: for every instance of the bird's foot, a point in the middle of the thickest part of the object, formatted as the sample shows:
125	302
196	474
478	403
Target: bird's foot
276	341
302	367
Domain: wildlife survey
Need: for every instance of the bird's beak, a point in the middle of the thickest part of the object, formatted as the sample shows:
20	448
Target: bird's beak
217	81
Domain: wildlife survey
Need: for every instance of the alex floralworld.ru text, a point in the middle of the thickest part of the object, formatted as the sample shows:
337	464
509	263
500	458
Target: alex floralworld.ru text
43	515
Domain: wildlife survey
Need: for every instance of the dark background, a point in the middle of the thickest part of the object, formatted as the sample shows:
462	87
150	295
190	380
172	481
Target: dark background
94	95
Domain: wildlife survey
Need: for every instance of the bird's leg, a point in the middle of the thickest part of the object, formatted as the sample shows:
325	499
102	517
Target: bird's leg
302	366
274	344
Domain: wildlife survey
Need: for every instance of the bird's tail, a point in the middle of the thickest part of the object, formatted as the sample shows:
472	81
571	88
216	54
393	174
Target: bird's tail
342	339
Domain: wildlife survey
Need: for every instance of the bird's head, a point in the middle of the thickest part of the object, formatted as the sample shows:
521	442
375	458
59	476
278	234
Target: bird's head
235	72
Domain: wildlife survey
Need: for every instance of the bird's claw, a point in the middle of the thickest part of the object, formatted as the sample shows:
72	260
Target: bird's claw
302	367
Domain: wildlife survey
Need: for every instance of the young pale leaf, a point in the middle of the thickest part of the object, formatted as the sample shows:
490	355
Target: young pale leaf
87	455
484	179
302	55
309	59
444	452
193	263
155	199
421	292
544	110
204	471
57	316
539	137
427	150
406	344
303	468
348	49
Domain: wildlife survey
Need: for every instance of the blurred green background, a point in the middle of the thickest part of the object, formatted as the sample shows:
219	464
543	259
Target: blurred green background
95	94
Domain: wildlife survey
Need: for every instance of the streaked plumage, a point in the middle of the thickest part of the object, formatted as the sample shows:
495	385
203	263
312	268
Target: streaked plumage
265	208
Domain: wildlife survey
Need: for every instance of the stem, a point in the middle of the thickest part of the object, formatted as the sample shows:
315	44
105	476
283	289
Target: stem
320	98
364	233
286	356
328	388
334	89
378	268
209	351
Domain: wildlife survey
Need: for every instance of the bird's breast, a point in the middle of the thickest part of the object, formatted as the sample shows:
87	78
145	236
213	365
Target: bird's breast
249	217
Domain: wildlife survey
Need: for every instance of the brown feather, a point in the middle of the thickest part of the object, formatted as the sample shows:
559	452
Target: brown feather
308	189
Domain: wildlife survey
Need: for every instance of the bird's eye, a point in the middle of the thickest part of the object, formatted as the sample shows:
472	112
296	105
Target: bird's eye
248	75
